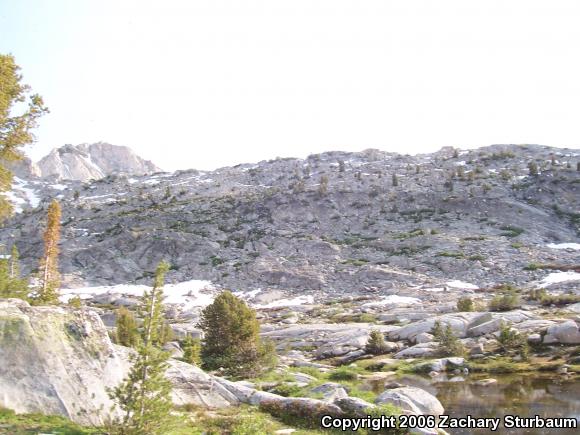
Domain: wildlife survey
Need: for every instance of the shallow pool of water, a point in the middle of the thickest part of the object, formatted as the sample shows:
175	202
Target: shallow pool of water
524	395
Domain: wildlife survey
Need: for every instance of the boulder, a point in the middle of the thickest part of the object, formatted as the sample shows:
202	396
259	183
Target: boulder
418	351
485	328
354	406
58	360
566	333
424	337
411	400
174	349
458	321
330	391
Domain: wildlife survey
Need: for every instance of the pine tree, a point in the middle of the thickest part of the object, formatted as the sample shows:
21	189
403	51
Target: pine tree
533	169
11	284
15	125
14	263
49	277
126	328
231	339
449	343
323	187
395	180
192	350
144	396
376	344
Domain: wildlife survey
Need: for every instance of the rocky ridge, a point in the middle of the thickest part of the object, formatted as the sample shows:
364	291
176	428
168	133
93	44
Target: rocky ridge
333	224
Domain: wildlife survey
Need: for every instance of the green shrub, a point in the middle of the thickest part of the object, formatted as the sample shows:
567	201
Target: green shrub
367	318
192	350
511	231
465	304
343	374
126	328
559	300
287	390
231	338
512	341
507	300
376	344
449	343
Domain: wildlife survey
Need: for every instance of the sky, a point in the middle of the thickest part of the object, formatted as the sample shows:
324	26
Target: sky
205	84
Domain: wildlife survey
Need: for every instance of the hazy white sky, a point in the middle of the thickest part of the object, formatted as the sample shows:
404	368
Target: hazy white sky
211	83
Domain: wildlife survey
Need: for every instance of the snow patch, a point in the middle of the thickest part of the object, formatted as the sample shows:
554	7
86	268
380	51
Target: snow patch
558	277
393	300
188	294
461	285
434	289
574	246
299	300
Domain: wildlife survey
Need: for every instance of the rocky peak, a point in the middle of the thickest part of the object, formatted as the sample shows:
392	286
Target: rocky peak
92	162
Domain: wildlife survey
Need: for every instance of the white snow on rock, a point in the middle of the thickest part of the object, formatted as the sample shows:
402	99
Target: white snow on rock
22	194
462	285
558	277
434	289
59	186
393	300
299	300
573	246
248	295
189	294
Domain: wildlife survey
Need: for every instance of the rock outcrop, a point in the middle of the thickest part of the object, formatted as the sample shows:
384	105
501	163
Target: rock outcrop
56	360
267	226
92	162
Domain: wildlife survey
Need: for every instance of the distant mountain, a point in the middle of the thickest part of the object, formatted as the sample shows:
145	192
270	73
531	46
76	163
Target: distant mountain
335	222
93	161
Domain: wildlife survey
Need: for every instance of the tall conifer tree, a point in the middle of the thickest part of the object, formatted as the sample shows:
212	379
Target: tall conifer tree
49	277
144	396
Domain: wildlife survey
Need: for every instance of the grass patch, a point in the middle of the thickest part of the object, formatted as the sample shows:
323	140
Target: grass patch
24	424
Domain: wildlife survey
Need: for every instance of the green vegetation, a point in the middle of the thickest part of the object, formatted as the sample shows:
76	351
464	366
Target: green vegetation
507	300
192	350
512	341
449	343
343	374
19	114
49	277
376	344
414	233
547	299
32	424
126	333
231	339
144	396
11	284
451	254
465	304
511	231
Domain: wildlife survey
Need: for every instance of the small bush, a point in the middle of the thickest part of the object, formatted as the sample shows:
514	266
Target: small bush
506	301
287	390
343	374
512	341
192	350
559	300
376	344
449	343
465	304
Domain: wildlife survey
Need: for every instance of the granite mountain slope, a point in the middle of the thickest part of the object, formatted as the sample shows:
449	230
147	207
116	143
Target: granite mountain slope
93	161
335	223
